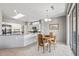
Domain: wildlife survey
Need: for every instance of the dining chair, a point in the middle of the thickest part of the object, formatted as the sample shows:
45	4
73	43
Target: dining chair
42	42
53	38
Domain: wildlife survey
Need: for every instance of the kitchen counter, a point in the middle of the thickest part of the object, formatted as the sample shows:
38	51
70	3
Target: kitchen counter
12	41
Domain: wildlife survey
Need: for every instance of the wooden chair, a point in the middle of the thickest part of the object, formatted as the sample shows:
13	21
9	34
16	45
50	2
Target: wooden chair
42	42
53	38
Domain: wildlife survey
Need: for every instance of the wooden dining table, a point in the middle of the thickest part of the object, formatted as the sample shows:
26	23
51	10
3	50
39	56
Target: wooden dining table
47	37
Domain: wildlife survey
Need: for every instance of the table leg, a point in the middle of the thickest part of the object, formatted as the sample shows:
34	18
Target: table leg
49	47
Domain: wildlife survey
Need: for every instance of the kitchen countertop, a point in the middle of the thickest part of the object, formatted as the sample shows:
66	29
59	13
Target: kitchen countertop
17	34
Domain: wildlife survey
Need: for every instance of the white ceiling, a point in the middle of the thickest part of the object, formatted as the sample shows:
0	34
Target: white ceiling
33	11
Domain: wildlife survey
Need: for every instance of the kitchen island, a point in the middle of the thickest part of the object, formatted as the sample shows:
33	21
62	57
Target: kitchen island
13	41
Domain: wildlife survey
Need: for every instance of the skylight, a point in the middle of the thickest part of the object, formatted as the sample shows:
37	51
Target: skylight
18	16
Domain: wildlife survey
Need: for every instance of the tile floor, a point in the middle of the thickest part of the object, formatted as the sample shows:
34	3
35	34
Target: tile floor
31	50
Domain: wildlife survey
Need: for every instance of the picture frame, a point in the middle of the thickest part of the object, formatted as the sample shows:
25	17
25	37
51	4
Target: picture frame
53	26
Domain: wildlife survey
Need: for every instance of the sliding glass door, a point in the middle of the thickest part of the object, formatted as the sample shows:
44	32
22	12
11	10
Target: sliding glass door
74	31
78	29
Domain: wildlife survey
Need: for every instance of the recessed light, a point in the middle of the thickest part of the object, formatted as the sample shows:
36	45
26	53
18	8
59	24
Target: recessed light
15	11
52	7
46	20
49	19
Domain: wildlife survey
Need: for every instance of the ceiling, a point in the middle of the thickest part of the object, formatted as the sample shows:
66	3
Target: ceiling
32	11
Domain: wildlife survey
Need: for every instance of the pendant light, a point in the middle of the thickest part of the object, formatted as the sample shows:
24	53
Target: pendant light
47	18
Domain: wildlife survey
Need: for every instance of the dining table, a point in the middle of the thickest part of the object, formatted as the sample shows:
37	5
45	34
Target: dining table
49	40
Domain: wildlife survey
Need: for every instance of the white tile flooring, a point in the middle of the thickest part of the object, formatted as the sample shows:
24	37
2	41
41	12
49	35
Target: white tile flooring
31	50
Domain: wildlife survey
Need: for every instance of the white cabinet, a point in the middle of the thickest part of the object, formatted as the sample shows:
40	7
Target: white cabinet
29	39
12	41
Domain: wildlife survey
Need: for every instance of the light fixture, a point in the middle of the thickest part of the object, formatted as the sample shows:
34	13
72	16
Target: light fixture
52	7
15	11
18	16
47	18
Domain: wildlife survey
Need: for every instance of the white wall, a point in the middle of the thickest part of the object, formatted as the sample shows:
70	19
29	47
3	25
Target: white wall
61	33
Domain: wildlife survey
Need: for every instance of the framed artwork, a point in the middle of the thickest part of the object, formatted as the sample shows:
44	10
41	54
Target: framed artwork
53	26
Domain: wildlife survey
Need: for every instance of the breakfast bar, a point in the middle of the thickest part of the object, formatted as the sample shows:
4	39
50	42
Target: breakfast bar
13	41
